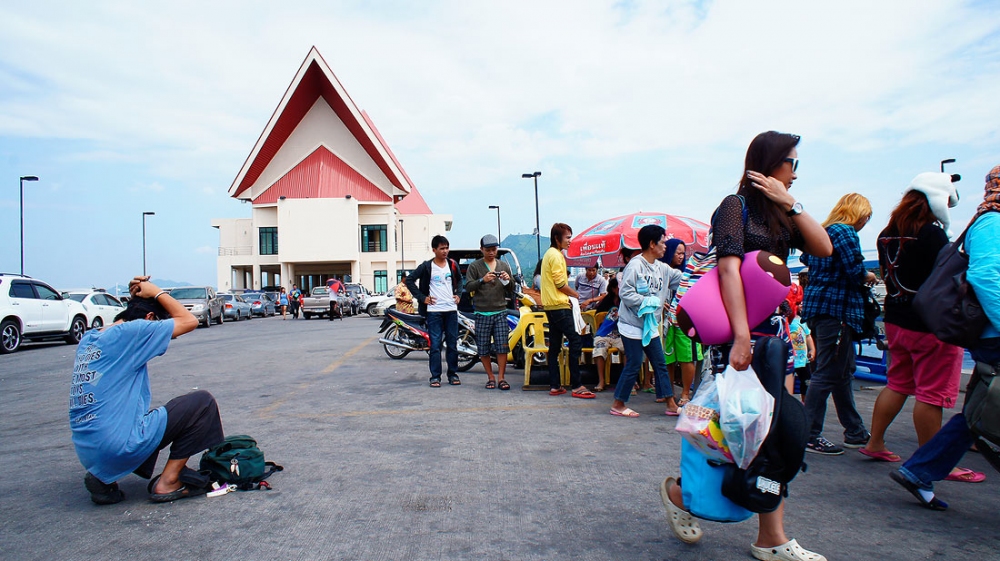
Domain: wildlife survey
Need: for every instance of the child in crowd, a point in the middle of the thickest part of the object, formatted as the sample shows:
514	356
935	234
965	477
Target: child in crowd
803	351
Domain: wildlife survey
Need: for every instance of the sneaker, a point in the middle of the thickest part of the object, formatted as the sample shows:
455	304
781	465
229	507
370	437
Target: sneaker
855	443
820	445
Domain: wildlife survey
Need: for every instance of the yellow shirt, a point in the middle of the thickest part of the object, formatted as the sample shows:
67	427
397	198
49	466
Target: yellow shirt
553	278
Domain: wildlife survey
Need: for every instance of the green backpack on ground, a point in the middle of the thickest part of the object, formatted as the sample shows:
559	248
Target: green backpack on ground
239	461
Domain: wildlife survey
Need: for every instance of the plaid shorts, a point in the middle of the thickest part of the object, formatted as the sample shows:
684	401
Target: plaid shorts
492	327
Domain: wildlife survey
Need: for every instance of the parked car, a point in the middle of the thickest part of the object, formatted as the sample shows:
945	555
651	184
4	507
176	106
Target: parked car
380	308
358	294
260	303
318	303
371	304
235	308
100	306
202	301
32	310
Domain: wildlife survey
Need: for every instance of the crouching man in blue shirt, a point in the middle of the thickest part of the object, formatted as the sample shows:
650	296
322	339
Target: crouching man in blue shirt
114	430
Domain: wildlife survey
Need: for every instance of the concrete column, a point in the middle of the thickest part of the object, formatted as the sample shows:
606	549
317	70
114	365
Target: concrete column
256	276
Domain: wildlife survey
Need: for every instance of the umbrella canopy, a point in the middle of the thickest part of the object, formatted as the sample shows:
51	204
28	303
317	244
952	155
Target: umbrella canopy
600	244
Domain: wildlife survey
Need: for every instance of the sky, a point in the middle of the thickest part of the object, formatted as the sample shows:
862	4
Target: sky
122	108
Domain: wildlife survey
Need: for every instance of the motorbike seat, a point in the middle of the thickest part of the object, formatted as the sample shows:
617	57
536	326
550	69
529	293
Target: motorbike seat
415	319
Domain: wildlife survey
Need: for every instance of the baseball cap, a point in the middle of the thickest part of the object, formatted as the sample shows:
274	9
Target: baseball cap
489	240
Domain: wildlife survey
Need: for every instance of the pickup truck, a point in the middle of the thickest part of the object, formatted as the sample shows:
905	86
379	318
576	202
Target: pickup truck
318	303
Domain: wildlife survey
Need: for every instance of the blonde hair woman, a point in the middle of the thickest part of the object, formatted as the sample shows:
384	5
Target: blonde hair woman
833	307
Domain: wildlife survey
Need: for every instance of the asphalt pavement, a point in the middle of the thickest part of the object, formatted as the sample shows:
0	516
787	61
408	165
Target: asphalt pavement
381	466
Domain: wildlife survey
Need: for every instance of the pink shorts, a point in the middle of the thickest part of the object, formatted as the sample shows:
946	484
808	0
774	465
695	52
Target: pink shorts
923	366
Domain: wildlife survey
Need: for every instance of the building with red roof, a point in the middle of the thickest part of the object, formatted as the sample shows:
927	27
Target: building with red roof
329	197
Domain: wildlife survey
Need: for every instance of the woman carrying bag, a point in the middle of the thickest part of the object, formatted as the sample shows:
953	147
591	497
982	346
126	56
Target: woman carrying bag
775	222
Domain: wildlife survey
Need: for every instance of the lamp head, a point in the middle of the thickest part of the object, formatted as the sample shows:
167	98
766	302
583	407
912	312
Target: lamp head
149	214
29	178
495	206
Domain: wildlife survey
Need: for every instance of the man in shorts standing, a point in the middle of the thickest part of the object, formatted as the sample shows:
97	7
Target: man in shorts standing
114	430
490	280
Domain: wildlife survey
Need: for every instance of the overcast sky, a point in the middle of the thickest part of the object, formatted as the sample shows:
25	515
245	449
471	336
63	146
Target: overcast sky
124	107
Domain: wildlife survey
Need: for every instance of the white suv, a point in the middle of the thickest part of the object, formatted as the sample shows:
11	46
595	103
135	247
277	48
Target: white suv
100	306
33	310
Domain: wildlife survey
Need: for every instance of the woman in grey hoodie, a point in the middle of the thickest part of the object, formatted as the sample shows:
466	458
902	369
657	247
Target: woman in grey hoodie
645	288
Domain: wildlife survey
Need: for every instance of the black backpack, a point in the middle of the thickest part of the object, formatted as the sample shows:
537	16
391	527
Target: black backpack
761	486
869	325
982	411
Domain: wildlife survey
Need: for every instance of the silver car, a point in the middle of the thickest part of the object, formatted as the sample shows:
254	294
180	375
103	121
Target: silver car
202	301
235	308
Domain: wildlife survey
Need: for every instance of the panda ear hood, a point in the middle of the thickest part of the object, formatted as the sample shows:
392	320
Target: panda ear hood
939	188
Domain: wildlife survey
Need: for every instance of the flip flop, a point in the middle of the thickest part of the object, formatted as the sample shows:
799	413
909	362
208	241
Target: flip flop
584	394
681	402
883	456
965	475
491	385
183	493
649	390
626	413
503	385
598	389
670	413
557	391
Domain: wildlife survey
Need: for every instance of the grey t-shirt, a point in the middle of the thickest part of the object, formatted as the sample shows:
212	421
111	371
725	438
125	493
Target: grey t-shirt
656	279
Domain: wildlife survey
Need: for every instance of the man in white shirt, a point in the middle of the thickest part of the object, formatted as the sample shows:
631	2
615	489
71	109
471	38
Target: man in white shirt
436	285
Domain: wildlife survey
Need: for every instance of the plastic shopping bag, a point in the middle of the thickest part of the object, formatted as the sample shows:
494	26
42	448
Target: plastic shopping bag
699	422
745	411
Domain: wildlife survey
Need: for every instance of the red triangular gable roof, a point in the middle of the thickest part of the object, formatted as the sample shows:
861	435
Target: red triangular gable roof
313	80
322	175
413	203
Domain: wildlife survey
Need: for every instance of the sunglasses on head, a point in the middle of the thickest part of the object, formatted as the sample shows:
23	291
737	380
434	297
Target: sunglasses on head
794	162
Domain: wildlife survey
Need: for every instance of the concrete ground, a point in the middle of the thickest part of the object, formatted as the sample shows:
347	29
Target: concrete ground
380	466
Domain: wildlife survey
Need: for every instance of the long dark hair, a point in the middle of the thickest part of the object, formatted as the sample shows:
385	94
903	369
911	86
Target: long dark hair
766	153
911	214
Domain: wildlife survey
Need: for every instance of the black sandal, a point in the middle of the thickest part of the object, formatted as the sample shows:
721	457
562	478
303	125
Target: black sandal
435	383
503	385
454	381
491	385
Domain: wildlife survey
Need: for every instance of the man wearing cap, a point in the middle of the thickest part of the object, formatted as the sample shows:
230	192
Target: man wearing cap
490	281
114	430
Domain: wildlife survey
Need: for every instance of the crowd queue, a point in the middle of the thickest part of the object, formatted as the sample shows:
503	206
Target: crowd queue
820	321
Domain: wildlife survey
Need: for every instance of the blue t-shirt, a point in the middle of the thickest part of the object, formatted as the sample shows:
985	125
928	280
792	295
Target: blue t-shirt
113	429
984	266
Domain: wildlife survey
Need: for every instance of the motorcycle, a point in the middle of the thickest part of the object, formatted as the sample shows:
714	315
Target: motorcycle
405	333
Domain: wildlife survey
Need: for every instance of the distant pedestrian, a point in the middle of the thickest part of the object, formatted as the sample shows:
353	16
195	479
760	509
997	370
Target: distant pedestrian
678	348
490	281
833	306
803	351
283	301
293	300
556	293
436	285
335	289
607	336
591	287
404	300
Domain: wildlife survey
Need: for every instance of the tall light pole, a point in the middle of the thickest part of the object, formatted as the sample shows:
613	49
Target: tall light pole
538	240
144	215
498	220
23	179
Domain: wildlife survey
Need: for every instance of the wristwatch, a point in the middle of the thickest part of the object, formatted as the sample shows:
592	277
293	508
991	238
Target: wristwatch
795	210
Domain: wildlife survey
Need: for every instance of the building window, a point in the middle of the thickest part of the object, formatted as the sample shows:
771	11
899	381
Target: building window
374	238
381	281
268	241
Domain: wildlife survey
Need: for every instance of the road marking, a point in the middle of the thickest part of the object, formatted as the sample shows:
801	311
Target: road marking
268	411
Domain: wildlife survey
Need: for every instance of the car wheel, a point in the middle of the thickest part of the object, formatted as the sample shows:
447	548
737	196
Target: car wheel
76	331
208	321
10	336
370	310
220	319
98	323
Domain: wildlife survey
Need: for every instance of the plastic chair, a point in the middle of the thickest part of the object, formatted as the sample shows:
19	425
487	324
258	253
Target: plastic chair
538	328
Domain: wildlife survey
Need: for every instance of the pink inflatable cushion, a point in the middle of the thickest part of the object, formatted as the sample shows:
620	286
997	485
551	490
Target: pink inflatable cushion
702	315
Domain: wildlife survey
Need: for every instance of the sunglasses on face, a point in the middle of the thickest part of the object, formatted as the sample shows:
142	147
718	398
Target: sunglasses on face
794	162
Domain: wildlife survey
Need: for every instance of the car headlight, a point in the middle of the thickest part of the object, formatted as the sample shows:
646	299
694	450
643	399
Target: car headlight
197	307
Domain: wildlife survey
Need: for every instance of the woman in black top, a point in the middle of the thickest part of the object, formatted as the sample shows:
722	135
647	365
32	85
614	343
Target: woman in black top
922	365
774	223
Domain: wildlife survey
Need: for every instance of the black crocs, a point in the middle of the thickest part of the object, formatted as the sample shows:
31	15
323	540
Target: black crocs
102	493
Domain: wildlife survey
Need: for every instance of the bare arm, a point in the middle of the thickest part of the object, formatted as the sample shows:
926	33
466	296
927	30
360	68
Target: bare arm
568	291
817	242
184	321
731	287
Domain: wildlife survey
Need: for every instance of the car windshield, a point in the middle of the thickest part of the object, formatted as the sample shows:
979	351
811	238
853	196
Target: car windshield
77	297
354	289
189	293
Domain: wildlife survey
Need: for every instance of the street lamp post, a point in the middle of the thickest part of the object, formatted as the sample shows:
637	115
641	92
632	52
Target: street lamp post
23	179
538	240
498	220
144	215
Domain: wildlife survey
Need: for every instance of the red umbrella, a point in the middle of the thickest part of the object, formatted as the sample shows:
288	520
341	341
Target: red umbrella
601	243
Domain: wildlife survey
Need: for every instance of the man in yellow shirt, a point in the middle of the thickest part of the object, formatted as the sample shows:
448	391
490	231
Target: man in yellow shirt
556	293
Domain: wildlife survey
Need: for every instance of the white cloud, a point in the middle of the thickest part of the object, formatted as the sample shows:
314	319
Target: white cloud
205	250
